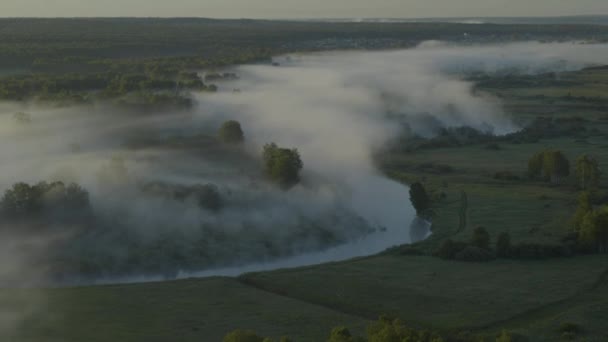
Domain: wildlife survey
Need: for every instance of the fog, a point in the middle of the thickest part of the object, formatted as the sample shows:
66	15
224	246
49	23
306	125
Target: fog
339	109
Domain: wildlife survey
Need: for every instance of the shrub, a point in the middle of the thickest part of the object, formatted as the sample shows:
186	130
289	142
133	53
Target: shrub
340	334
231	132
282	165
242	336
481	238
568	327
505	175
449	249
504	337
474	254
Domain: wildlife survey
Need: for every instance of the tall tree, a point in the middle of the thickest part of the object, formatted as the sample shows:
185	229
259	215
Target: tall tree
481	238
551	165
535	165
555	166
231	132
282	165
594	230
419	198
584	207
588	172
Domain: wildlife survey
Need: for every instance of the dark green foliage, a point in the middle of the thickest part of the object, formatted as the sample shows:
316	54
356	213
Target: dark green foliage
539	251
588	172
481	238
282	165
389	330
503	245
568	327
593	232
549	165
207	196
29	201
505	175
474	254
231	132
243	336
535	165
419	198
449	249
504	336
340	334
569	331
584	207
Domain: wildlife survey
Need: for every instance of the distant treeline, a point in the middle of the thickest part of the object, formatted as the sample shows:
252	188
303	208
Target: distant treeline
55	57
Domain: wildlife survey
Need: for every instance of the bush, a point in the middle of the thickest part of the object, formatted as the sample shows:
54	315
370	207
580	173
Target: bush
504	337
243	336
505	175
449	249
231	132
474	254
481	238
568	327
207	196
282	165
538	251
340	334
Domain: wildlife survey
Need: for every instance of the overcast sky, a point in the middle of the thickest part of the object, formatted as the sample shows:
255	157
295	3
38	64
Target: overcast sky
300	8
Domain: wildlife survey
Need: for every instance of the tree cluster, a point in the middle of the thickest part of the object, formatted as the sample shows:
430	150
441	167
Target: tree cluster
384	329
478	249
549	165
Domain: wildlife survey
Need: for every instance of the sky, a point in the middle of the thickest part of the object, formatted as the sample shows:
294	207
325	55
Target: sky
298	9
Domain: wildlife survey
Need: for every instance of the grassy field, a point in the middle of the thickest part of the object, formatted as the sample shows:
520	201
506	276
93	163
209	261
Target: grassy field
188	310
433	293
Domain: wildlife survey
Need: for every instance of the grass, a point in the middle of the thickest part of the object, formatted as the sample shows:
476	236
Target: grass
188	310
429	292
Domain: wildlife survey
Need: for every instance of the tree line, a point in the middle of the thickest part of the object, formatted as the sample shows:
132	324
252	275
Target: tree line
385	329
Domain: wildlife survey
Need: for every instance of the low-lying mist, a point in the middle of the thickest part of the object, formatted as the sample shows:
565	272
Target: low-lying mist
158	195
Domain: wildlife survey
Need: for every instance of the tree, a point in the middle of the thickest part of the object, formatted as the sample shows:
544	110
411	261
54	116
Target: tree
340	334
481	238
535	165
588	172
231	132
551	165
594	230
24	200
282	165
584	207
419	198
242	336
503	245
555	166
505	336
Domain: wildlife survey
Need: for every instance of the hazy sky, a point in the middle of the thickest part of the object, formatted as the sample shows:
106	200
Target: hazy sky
300	8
